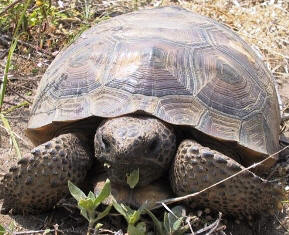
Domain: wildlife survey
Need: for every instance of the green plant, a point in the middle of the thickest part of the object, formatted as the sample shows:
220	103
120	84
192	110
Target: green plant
88	204
132	179
132	217
11	134
2	230
173	222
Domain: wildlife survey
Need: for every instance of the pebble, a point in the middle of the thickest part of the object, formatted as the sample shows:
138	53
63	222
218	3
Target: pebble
199	213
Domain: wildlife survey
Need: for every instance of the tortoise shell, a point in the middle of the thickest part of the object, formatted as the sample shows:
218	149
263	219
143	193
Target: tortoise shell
180	67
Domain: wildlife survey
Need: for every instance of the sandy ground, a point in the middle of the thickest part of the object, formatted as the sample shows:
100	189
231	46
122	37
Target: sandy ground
277	224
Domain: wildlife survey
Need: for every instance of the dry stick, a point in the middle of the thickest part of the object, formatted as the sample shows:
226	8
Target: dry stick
42	231
177	199
106	231
190	226
282	224
31	232
10	6
285	117
21	96
9	103
212	226
216	225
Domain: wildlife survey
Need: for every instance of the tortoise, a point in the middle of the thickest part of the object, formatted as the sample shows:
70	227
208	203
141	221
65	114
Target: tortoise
172	93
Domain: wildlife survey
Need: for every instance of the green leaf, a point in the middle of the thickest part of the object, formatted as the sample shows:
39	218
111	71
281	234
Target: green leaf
166	223
87	204
178	211
133	218
103	213
104	193
177	223
98	226
121	209
2	230
133	178
91	195
83	212
158	224
132	230
173	220
136	214
11	134
141	226
75	191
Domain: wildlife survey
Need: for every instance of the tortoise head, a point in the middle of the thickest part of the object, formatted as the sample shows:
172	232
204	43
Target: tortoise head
129	143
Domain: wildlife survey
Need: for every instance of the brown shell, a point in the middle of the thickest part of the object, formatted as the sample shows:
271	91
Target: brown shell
181	67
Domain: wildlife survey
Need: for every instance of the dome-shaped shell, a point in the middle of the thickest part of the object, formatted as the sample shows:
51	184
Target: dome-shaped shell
181	67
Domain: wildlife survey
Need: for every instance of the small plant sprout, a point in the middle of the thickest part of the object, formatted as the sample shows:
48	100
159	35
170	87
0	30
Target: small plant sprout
132	179
173	223
88	204
132	217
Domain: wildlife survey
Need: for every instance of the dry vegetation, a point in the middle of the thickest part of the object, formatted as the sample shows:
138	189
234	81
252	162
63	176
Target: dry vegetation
49	26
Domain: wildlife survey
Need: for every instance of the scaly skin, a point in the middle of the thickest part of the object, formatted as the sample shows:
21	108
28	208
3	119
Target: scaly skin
197	167
40	178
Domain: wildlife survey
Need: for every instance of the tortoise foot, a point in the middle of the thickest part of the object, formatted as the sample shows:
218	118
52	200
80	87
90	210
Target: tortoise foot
39	179
244	195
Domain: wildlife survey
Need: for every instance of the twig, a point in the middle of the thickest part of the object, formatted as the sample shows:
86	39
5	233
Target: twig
106	231
9	103
177	199
216	224
28	77
32	232
169	210
212	227
282	225
56	226
10	6
21	96
42	231
190	226
285	117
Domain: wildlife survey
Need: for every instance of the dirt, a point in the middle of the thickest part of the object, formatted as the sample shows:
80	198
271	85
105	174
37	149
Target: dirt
68	220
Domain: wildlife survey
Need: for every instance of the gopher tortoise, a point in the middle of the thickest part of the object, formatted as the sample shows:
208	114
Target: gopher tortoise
166	91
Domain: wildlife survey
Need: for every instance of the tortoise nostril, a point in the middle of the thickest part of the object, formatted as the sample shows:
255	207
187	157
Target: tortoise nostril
105	143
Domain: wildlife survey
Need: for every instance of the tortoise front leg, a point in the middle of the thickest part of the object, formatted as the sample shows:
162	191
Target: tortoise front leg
40	178
196	168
